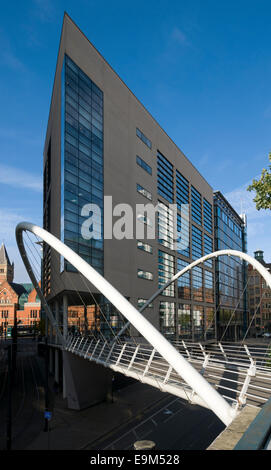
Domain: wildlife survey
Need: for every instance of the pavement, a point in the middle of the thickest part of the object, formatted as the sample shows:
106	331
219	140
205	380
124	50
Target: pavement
70	429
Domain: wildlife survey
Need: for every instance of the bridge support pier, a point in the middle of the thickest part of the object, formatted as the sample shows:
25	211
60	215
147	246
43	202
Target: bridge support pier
87	383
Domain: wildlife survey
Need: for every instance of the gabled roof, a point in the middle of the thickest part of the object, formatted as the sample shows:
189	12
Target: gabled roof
3	255
18	288
266	265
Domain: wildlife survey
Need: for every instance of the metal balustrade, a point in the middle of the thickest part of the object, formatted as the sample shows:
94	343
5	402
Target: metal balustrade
240	373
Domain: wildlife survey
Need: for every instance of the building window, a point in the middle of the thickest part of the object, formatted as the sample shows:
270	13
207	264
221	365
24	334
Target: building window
184	321
197	286
165	226
209	323
196	206
144	219
165	185
198	322
182	190
143	191
144	275
183	242
141	302
167	318
144	246
207	216
143	138
209	286
208	248
184	283
196	243
143	165
165	272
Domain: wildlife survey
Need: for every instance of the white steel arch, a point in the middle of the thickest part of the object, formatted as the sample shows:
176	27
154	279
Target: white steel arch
244	256
195	380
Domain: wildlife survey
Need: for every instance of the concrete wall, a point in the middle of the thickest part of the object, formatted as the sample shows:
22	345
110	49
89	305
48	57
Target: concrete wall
228	439
86	383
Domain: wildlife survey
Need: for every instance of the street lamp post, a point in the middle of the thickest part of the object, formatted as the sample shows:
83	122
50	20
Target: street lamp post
9	409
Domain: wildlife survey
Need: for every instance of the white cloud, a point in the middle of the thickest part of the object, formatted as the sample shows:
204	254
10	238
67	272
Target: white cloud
242	201
7	55
204	160
9	219
179	37
267	112
20	136
9	59
20	178
44	10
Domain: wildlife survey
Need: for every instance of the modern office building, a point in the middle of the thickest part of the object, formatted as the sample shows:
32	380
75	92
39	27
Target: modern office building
230	272
259	298
102	142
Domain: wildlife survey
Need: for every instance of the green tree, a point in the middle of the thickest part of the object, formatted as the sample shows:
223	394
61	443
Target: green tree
262	187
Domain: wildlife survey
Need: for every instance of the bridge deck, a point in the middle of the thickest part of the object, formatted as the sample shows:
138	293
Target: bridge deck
240	373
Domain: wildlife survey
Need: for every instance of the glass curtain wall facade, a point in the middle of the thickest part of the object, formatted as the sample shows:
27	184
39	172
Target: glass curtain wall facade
188	312
82	182
230	272
82	162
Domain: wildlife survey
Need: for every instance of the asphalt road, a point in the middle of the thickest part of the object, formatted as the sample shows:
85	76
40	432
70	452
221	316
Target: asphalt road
172	424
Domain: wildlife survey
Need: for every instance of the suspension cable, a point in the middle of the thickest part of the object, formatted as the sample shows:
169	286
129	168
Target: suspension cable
233	313
78	293
100	309
62	286
215	312
39	255
245	335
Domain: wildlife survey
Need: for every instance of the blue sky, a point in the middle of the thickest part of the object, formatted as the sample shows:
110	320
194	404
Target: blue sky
202	68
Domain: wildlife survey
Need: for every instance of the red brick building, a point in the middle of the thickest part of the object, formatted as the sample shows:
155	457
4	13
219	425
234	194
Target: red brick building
16	300
259	298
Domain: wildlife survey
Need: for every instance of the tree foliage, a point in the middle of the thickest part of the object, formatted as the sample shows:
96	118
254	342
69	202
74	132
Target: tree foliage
262	187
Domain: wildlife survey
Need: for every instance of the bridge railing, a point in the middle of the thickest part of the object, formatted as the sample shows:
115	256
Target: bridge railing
240	381
238	355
